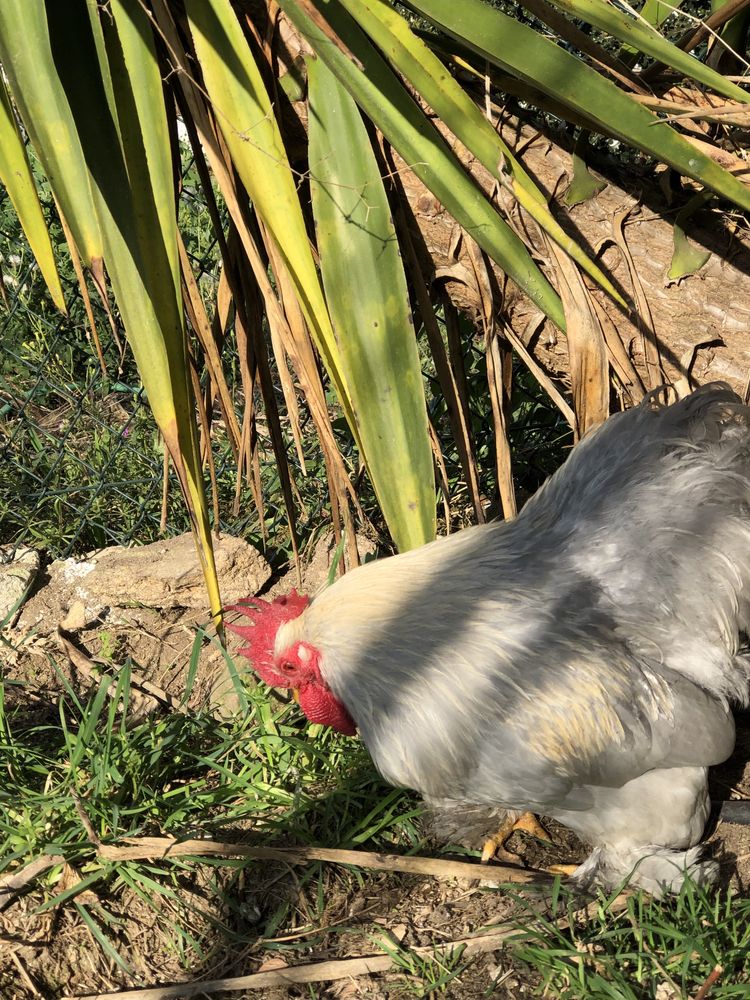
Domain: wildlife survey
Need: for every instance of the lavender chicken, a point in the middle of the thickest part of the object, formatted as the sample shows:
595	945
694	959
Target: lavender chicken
578	662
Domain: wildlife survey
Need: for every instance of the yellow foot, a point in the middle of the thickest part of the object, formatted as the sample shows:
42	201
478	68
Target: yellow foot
494	846
566	870
529	823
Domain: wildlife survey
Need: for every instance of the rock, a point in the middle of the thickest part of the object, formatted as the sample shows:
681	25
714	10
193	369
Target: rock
18	570
164	574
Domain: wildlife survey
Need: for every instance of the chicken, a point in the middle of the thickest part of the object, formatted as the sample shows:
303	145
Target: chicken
578	662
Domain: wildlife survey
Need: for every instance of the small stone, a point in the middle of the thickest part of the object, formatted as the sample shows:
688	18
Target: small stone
76	618
18	569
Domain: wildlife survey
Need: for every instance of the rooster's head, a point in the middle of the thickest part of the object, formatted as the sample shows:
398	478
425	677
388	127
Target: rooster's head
293	664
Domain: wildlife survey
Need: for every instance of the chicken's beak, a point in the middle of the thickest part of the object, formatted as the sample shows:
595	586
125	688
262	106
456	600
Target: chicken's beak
295	695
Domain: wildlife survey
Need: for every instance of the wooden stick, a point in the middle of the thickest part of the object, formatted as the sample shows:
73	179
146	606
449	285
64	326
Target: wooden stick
713	977
143	693
14	883
316	972
345	968
166	847
28	981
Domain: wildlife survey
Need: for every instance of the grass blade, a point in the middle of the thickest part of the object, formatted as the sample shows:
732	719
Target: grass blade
104	943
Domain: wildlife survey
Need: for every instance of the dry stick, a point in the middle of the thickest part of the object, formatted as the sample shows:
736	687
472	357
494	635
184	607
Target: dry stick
345	968
442	473
12	885
205	450
142	691
538	372
142	848
28	981
202	327
711	980
457	374
676	111
85	821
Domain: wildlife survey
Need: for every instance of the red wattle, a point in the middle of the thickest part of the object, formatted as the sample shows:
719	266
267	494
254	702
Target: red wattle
320	705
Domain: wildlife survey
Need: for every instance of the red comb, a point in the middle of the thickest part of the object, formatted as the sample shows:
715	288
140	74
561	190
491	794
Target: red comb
267	617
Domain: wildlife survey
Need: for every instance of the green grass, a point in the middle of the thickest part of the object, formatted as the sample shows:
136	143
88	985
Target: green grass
672	945
89	762
426	975
83	763
177	772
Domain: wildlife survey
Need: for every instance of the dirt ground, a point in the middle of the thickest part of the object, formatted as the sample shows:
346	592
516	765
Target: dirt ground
52	954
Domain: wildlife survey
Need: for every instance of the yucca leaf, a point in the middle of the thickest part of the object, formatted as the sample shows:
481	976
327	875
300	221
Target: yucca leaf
657	11
383	98
429	77
530	56
365	287
145	140
96	105
583	185
157	337
28	61
687	259
245	114
16	175
648	40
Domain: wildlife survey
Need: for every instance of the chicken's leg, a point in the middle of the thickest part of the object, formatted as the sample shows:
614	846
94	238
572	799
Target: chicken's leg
494	846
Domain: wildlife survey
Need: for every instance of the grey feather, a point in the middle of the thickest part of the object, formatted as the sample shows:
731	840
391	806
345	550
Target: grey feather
549	662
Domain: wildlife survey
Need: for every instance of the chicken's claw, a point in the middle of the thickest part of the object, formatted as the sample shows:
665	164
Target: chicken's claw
566	870
494	846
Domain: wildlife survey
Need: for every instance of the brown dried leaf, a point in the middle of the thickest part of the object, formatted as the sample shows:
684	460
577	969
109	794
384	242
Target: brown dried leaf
499	362
740	168
455	401
618	355
587	349
649	343
271	963
80	278
199	321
